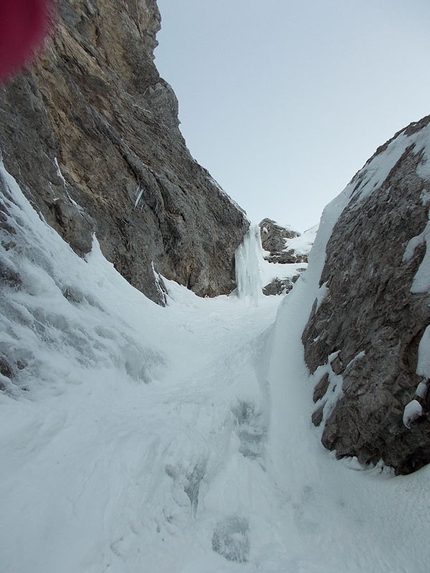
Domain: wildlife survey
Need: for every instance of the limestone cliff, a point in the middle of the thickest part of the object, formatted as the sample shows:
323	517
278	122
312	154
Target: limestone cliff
274	240
365	340
286	251
90	132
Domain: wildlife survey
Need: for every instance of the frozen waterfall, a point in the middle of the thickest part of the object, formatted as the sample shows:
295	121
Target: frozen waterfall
249	257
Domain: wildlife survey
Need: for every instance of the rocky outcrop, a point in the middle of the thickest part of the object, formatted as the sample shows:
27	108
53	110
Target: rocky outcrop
274	240
90	132
287	251
278	286
365	342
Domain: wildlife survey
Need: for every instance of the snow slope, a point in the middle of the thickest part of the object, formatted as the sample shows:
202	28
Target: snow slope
140	439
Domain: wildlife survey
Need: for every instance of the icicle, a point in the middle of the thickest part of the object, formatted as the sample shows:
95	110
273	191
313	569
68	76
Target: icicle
139	195
248	259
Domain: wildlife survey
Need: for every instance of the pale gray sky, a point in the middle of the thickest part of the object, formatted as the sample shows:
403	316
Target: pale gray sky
283	101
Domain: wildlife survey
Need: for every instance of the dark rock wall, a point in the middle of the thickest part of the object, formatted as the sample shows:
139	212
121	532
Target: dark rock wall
365	334
90	127
273	237
274	242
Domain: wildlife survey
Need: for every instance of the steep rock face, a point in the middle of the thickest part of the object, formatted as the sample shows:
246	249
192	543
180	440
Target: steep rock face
365	341
90	132
287	252
274	240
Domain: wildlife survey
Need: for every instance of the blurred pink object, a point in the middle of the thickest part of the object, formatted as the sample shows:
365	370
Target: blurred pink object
23	25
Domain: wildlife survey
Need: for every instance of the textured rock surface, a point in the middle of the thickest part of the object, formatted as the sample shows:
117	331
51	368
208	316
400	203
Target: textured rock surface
281	286
90	131
362	340
280	248
273	240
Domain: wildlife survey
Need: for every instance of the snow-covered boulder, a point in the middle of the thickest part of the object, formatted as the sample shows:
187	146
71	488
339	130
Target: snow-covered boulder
373	310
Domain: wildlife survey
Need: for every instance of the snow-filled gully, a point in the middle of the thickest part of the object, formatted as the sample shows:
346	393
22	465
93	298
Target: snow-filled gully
140	439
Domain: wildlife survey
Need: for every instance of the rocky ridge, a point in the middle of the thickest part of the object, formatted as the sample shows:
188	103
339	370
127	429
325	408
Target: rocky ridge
274	240
366	341
90	132
287	252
